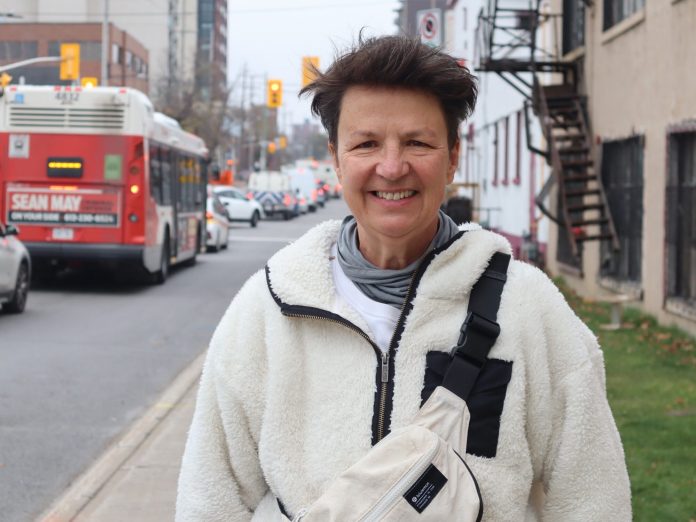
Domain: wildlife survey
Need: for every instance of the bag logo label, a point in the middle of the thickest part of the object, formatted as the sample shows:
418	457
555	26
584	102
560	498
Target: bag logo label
426	488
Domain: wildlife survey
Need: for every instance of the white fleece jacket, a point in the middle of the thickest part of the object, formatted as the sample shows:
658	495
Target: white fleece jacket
286	402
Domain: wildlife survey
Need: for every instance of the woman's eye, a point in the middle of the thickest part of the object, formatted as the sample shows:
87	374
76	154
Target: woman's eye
416	143
365	145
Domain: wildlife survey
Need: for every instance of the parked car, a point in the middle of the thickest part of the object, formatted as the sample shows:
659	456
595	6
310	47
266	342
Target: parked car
240	207
274	191
217	224
15	270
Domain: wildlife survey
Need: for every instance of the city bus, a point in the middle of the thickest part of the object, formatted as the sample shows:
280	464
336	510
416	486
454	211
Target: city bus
96	175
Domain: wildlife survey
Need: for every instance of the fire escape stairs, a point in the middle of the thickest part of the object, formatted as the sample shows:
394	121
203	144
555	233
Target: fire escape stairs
507	46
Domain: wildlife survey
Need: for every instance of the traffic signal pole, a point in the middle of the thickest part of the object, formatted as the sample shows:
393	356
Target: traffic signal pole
264	131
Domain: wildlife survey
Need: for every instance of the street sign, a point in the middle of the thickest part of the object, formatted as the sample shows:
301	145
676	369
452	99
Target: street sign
309	65
70	61
430	26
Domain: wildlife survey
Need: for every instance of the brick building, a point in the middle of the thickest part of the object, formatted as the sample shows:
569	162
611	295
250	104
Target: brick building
127	59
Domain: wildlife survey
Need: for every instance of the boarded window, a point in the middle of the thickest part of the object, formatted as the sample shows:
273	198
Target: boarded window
622	177
681	218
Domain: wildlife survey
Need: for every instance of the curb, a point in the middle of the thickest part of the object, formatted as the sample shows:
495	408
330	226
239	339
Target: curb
87	485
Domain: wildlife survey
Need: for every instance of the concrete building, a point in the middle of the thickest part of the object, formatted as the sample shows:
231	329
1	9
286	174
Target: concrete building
176	33
127	61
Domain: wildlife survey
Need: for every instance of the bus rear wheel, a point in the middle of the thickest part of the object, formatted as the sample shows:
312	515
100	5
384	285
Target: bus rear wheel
161	275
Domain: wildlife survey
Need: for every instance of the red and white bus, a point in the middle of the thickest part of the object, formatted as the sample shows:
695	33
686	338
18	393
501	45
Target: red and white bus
95	174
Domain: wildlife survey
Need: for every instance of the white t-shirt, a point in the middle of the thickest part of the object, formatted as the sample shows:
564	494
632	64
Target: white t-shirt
381	318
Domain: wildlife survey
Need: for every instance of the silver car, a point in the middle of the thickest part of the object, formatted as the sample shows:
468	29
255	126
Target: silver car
15	270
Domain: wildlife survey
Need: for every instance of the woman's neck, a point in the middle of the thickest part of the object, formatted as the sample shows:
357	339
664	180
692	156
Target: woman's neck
394	253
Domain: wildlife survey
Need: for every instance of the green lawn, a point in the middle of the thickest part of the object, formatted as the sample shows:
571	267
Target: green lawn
651	383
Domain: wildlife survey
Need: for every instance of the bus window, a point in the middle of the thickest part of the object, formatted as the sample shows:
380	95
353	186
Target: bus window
155	175
166	166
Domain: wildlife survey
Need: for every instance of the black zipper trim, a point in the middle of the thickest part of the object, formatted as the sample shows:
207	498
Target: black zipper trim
312	312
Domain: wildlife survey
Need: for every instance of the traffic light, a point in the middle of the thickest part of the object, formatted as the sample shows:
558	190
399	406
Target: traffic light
70	61
282	142
310	66
89	82
271	147
275	94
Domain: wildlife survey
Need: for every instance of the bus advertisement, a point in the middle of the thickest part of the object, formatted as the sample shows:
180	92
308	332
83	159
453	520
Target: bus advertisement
96	175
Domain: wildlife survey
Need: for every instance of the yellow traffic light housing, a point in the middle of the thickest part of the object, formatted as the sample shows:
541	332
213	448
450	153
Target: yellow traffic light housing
274	96
310	66
70	61
272	147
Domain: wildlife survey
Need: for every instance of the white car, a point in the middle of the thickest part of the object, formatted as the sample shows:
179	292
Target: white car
217	225
239	207
15	270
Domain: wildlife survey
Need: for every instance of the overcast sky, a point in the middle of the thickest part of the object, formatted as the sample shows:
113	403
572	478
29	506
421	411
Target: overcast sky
272	36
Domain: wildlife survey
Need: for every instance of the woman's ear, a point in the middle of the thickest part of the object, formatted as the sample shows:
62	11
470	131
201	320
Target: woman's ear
453	161
334	158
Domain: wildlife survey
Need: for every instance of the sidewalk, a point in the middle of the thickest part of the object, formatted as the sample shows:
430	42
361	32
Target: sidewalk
136	478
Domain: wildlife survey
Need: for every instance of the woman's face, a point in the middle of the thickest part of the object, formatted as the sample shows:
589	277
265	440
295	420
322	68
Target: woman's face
393	161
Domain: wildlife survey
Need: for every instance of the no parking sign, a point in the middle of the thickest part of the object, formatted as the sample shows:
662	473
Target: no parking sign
430	26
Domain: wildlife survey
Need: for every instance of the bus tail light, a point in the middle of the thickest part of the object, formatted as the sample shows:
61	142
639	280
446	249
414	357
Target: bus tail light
209	217
287	200
135	189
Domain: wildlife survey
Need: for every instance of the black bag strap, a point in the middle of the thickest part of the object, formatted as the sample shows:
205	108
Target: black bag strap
479	330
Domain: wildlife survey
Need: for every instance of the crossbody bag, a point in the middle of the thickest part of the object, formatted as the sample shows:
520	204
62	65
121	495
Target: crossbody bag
418	472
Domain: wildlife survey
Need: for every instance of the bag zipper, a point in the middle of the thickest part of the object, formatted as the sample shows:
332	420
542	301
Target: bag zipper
397	490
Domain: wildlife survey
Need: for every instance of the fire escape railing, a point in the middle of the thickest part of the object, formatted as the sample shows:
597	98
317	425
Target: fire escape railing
506	44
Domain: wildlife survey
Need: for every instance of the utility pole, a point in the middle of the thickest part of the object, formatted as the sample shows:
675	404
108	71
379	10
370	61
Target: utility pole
253	120
264	132
105	45
242	132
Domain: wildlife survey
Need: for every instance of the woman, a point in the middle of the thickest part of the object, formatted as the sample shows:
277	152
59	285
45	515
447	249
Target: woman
345	333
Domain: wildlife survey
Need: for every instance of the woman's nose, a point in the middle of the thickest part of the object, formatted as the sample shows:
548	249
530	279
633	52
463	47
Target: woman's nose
392	164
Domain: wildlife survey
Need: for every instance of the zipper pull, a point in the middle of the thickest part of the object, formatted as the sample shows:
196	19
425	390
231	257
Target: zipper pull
385	367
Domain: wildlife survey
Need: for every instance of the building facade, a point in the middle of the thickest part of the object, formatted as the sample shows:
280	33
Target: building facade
639	77
176	33
127	59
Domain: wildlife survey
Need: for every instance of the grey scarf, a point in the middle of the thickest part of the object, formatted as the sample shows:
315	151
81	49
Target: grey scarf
383	285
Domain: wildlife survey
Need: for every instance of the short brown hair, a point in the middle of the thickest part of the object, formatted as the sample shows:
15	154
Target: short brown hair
395	61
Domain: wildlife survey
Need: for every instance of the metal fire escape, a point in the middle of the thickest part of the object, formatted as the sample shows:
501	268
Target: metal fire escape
508	44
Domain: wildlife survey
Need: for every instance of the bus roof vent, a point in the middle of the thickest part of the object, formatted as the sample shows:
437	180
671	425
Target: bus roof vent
102	118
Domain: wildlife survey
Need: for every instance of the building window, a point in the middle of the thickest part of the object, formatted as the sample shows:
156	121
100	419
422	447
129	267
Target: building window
518	149
506	151
115	53
622	178
573	25
617	10
15	51
681	218
89	51
496	153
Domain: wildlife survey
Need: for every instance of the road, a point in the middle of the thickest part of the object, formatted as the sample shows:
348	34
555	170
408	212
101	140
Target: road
90	354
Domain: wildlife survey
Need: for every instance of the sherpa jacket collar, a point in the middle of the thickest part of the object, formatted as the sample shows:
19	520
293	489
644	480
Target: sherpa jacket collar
300	274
